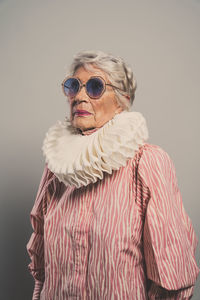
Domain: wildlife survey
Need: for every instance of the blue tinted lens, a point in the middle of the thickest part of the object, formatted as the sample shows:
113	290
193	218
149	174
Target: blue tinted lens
95	87
71	87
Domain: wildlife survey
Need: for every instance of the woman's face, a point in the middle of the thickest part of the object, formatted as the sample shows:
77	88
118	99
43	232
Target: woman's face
88	113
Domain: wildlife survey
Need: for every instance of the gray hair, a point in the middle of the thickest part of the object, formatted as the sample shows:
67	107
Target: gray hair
118	72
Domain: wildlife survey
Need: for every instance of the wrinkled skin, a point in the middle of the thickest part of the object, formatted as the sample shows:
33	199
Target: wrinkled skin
101	110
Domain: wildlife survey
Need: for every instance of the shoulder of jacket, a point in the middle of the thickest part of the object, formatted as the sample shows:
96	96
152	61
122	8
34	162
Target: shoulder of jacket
153	153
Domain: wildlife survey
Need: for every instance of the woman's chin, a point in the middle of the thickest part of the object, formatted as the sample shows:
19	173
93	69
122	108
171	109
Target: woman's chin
84	123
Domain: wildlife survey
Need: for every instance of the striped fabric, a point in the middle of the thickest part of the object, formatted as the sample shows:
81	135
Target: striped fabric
124	237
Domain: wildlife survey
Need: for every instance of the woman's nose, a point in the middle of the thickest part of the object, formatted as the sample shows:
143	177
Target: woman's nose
82	95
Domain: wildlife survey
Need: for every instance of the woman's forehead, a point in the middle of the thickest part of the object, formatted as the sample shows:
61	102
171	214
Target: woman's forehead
86	72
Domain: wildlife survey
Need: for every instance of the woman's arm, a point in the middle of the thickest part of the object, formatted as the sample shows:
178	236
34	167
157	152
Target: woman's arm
35	246
169	237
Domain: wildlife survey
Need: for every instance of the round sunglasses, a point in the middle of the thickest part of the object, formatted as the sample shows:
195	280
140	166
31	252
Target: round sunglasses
95	86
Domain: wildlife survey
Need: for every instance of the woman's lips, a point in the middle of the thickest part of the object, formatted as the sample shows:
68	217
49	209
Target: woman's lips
81	112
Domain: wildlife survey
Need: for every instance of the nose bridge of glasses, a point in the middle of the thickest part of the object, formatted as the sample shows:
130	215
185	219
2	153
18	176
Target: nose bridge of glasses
81	85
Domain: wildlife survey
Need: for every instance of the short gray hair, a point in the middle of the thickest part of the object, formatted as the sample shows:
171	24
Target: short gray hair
118	72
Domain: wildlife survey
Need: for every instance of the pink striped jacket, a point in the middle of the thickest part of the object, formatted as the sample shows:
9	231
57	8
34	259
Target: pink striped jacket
126	236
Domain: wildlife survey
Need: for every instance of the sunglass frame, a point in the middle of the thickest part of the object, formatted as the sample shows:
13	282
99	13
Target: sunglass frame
85	84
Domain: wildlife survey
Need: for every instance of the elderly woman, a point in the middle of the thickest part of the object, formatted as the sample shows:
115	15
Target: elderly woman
108	218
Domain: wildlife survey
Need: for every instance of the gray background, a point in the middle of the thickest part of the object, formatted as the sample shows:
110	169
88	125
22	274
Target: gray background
159	39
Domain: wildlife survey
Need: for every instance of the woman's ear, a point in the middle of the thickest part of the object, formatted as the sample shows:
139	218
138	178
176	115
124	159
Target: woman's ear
118	109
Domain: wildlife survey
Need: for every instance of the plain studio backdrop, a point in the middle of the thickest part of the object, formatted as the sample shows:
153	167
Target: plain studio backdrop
159	39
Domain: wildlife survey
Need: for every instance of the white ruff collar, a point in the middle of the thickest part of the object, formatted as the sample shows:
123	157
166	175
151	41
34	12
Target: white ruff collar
79	160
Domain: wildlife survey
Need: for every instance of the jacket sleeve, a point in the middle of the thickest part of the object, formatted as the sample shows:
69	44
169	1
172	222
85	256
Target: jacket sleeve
169	238
35	246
